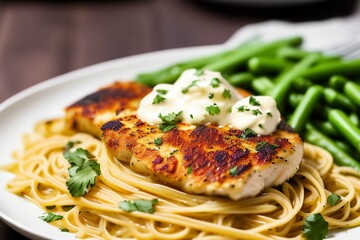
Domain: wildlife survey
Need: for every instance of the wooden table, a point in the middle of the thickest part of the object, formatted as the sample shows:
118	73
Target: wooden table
42	39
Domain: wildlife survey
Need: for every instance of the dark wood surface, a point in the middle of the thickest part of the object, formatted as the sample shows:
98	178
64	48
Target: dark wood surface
42	39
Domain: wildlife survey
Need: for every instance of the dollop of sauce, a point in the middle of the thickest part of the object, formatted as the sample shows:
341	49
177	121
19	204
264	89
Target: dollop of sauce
201	97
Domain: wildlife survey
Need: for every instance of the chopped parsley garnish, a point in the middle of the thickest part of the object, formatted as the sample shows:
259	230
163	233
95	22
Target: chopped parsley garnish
213	109
214	82
248	133
199	72
333	199
253	101
315	227
226	94
210	95
233	171
269	114
64	229
83	171
261	126
165	127
67	208
243	108
169	121
265	146
70	144
162	91
189	170
158	141
256	112
51	207
50	217
192	84
192	116
141	205
158	99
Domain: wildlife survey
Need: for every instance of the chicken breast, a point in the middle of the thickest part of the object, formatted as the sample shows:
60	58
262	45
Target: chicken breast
89	113
205	159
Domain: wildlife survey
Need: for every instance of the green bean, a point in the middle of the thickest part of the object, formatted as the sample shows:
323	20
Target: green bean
322	110
305	108
281	89
241	57
296	54
242	79
354	118
352	91
292	53
326	128
262	85
295	99
326	70
337	82
301	84
345	127
262	65
338	100
342	158
348	148
171	73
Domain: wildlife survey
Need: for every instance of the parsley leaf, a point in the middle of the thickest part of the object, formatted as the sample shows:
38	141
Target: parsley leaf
248	133
315	227
213	109
158	99
233	171
70	144
226	94
170	118
64	229
253	101
77	157
158	141
165	127
256	112
189	170
269	114
265	147
333	199
162	91
214	82
83	178
199	72
243	108
210	95
192	84
83	171
141	205
169	121
50	217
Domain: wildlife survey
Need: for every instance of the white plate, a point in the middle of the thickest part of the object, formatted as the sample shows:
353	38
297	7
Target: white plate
47	100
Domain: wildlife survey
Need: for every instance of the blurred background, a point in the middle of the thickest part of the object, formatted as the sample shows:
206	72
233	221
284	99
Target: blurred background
42	39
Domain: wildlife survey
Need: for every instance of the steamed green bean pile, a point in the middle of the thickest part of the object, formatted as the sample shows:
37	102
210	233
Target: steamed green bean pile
317	94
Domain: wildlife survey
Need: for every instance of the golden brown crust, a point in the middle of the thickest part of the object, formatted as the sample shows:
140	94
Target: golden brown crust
90	112
206	153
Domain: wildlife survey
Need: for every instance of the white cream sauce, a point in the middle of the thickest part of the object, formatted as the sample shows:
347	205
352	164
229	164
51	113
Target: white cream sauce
200	97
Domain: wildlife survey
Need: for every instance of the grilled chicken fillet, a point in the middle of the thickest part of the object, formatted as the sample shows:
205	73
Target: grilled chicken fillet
205	159
90	112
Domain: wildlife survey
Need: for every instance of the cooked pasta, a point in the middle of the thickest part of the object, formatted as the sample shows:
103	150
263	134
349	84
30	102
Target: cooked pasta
41	172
